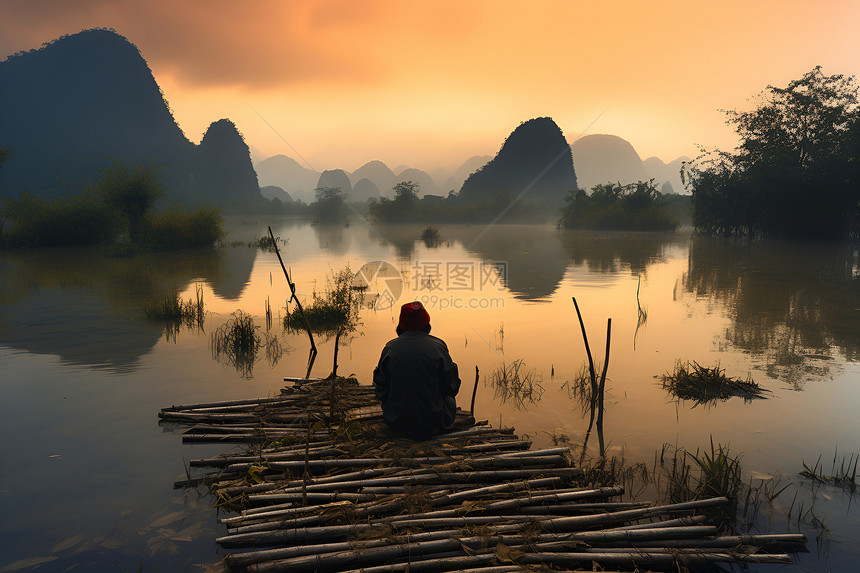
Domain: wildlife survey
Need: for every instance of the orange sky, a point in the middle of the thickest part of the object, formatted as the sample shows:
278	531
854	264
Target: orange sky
431	83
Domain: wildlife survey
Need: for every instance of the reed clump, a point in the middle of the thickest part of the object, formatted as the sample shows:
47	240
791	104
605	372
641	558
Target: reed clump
515	383
335	310
172	309
431	237
238	342
692	476
704	385
843	475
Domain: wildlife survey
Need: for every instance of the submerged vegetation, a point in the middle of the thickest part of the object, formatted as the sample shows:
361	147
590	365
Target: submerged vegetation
703	385
431	237
238	342
844	475
172	308
515	384
117	210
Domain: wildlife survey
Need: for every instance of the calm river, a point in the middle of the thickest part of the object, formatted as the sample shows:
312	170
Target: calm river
86	471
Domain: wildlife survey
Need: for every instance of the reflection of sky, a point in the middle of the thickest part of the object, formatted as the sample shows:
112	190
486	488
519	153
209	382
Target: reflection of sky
109	411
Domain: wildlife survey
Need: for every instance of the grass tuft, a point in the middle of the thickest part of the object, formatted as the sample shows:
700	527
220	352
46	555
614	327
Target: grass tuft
238	342
515	384
703	385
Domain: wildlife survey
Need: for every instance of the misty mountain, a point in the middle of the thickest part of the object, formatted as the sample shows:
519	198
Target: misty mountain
664	173
364	189
378	173
606	159
275	192
286	173
68	107
336	178
534	163
456	180
427	186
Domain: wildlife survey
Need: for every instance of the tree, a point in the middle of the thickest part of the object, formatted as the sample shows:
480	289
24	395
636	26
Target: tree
131	193
612	206
796	171
329	205
406	193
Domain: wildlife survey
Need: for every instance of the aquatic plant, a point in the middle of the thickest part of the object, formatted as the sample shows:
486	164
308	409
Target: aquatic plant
238	342
514	383
844	476
266	243
703	385
172	309
334	310
431	237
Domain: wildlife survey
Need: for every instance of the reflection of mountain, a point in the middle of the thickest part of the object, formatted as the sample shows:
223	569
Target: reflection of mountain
534	256
537	256
794	304
89	310
618	251
68	106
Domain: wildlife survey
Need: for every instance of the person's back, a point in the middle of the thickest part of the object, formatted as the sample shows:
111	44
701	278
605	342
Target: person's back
416	380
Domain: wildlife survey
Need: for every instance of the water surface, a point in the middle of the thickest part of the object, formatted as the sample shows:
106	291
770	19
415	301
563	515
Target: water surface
87	471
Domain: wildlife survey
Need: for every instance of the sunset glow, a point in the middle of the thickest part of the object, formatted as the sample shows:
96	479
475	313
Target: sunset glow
430	84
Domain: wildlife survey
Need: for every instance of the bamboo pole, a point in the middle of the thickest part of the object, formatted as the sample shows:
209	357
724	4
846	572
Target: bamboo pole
293	297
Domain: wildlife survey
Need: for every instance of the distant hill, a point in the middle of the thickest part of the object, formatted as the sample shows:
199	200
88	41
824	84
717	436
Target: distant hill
275	192
79	100
606	159
427	186
286	173
364	189
534	162
663	173
456	180
378	173
336	178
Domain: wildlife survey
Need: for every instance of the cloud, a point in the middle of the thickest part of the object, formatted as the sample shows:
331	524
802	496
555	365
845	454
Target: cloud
217	43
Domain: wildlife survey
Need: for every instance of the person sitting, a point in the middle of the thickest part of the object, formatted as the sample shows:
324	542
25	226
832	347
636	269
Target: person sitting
416	380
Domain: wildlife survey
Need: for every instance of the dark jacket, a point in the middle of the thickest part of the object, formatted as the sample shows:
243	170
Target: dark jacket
416	381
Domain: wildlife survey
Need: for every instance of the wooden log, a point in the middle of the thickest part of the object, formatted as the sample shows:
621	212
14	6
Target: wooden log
460	496
639	559
419	477
731	541
441	564
314	497
369	556
516	503
302	535
587	521
244	402
583	508
231	521
680	521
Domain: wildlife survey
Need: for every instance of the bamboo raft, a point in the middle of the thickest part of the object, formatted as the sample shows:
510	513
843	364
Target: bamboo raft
320	486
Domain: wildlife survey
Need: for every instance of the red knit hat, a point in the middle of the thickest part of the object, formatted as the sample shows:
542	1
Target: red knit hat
413	316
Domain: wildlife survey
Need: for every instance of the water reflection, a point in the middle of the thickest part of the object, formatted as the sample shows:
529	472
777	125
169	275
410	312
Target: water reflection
89	309
794	304
617	252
